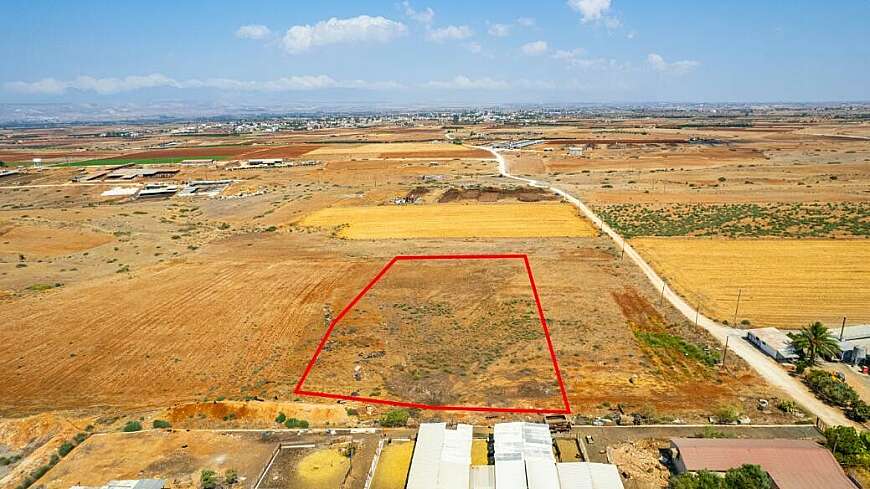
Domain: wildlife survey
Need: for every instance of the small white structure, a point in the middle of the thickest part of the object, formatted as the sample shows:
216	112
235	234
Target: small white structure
773	342
575	151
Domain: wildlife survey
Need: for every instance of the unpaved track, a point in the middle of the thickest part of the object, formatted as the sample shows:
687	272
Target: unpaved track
764	365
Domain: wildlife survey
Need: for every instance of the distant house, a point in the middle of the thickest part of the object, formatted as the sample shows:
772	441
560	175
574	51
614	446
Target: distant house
265	162
773	342
575	151
791	464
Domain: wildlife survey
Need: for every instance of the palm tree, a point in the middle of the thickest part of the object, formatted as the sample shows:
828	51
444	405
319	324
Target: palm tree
813	341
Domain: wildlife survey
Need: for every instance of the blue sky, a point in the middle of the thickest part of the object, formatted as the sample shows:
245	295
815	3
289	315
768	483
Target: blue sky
433	52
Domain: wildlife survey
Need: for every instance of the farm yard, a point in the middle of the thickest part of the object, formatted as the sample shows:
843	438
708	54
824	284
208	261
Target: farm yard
784	283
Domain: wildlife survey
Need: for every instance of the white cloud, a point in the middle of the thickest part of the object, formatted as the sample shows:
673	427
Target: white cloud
104	86
658	63
591	10
301	38
562	54
424	16
253	31
464	83
499	30
526	21
450	33
474	47
535	48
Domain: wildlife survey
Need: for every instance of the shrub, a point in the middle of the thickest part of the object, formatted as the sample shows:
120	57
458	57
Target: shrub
830	389
859	411
80	437
132	426
850	448
747	477
295	423
208	479
161	424
395	418
280	418
231	476
64	449
727	414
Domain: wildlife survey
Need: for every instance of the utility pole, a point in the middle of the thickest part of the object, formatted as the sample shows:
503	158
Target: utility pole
739	291
697	312
843	328
662	297
725	351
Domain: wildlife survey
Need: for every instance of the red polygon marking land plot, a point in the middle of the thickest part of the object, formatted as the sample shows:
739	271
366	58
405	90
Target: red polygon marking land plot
565	409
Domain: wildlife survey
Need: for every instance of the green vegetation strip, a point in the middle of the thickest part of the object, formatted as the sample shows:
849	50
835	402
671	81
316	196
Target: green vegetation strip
142	161
800	220
671	342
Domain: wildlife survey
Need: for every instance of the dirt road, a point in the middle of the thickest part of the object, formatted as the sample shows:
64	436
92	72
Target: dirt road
764	365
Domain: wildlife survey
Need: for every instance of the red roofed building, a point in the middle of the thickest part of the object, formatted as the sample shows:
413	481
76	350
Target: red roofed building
792	464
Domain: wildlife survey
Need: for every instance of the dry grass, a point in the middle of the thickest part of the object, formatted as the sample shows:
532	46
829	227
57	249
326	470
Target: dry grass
529	220
323	469
392	471
785	283
47	241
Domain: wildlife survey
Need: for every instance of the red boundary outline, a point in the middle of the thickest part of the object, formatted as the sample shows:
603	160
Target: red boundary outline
525	258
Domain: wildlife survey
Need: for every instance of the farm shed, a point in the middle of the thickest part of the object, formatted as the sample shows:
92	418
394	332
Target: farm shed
773	342
587	475
524	457
791	464
442	457
426	459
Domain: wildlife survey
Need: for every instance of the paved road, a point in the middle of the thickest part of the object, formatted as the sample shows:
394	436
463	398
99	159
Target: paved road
764	365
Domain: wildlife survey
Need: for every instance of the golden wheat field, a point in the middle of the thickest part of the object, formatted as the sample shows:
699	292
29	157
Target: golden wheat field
526	220
785	283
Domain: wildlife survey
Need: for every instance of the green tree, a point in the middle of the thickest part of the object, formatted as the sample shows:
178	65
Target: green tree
132	426
231	476
814	341
701	480
395	418
280	418
747	477
161	424
850	447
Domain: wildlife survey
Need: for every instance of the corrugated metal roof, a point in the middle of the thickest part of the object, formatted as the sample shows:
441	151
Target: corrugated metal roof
455	466
792	464
483	477
587	475
427	456
541	474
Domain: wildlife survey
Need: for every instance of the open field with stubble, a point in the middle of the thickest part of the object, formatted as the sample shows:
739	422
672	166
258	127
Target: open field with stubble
527	220
784	283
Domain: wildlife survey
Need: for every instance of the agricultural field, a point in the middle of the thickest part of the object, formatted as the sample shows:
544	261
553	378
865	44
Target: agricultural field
541	220
750	220
485	344
784	283
205	312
